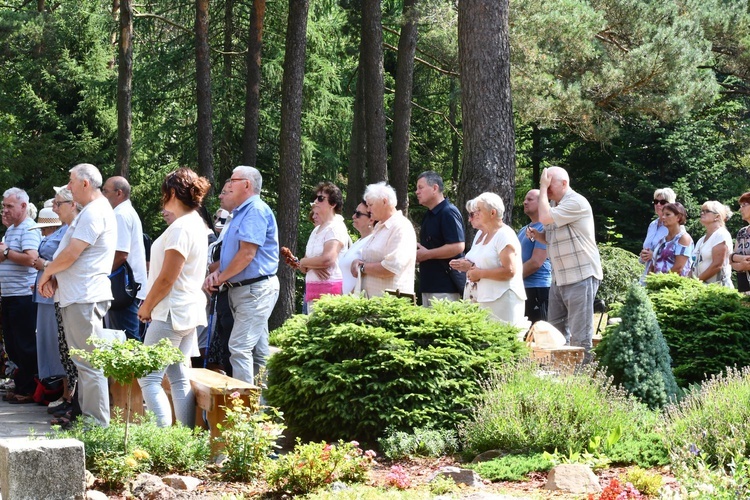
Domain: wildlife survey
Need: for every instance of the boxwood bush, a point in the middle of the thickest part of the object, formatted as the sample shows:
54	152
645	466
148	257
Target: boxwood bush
707	327
357	366
621	269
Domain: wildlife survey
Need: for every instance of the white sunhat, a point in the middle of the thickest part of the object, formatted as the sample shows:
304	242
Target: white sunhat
47	218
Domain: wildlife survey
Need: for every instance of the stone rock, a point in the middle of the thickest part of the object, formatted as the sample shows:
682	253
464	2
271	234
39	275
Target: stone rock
460	476
42	468
96	495
177	482
573	478
90	479
150	487
481	495
339	486
487	456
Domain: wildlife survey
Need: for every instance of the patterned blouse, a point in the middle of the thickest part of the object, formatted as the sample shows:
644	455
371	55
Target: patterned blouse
666	253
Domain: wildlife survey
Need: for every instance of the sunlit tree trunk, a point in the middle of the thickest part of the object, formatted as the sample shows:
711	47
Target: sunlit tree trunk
487	115
407	46
203	83
356	173
252	96
124	90
290	155
372	65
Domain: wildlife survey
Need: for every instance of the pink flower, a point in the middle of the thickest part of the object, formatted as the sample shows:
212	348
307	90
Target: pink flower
370	454
235	394
354	443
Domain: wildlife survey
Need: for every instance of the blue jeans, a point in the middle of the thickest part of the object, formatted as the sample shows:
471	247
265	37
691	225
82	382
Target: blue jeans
571	310
248	343
126	320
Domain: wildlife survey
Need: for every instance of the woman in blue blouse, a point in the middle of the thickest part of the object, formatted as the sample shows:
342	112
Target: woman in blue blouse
656	230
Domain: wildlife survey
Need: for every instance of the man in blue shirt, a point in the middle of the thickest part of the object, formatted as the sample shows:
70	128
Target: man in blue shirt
537	275
247	267
441	239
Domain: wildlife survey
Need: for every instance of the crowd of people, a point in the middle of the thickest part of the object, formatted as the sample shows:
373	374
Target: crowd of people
209	285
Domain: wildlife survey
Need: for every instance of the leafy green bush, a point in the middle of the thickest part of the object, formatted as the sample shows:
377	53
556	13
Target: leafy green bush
511	467
159	450
648	483
635	354
314	465
420	443
358	366
621	269
712	423
707	327
523	411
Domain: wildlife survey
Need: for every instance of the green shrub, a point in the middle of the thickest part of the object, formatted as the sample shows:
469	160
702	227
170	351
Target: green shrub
635	354
621	269
314	465
648	483
522	411
358	366
397	445
707	327
158	450
512	467
712	423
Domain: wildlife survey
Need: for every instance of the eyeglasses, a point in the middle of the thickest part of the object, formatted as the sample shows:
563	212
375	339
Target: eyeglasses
743	205
59	203
660	202
358	214
319	198
230	180
473	214
703	212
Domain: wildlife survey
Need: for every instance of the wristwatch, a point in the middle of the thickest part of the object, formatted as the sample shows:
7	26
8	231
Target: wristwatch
5	252
46	263
362	268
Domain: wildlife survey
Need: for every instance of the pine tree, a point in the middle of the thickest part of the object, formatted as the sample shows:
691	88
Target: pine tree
636	355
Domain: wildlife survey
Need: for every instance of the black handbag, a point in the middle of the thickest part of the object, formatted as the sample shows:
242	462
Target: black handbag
124	287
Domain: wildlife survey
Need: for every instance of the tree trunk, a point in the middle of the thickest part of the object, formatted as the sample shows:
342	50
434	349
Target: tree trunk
407	46
372	50
203	87
455	139
124	90
226	150
487	115
252	97
290	154
357	176
536	155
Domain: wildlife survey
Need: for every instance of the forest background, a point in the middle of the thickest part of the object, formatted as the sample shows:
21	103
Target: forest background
628	95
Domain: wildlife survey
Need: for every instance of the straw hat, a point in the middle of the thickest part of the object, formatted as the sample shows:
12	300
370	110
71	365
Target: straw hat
47	218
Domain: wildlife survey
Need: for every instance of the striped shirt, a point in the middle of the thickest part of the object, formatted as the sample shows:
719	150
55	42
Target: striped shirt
16	280
571	244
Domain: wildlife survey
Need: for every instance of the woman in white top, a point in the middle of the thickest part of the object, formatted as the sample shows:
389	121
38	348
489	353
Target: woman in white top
493	266
175	304
330	236
362	222
711	254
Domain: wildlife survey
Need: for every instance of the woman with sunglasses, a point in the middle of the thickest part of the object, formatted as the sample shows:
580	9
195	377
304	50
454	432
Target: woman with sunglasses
711	254
320	263
363	223
656	230
673	252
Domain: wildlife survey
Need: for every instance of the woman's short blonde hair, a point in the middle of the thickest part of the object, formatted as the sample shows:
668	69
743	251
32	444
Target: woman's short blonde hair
718	208
492	201
666	193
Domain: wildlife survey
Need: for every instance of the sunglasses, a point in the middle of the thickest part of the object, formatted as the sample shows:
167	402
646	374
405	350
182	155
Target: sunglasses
319	198
358	214
660	202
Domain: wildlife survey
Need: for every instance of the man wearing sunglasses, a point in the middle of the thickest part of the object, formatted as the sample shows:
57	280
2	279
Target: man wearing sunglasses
441	239
248	264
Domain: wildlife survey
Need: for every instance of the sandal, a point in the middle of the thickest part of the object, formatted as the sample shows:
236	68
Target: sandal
9	396
21	400
61	421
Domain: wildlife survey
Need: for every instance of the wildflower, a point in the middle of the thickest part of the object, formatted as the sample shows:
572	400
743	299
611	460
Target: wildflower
131	462
694	449
354	443
370	454
235	394
140	455
398	478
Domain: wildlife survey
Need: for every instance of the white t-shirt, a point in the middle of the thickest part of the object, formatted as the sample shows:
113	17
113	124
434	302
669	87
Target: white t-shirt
334	230
86	281
346	257
130	240
487	256
704	258
185	304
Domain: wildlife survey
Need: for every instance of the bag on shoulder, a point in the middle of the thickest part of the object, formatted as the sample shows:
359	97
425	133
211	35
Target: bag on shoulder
124	287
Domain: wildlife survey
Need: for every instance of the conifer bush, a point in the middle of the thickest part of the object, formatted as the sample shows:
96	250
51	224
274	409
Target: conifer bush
707	327
358	366
635	354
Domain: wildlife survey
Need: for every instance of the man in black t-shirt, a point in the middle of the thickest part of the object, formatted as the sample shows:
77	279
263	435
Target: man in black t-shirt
440	240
